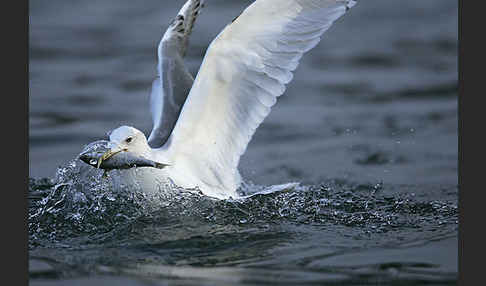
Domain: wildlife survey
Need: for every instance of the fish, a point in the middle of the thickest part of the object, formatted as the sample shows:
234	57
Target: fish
96	155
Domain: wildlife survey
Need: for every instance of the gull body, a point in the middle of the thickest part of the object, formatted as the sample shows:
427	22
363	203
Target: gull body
203	125
179	170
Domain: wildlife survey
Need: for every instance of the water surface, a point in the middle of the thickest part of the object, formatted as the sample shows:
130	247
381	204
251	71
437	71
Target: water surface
368	127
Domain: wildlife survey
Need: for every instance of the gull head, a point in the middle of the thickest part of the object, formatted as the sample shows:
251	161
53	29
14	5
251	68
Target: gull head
126	139
129	139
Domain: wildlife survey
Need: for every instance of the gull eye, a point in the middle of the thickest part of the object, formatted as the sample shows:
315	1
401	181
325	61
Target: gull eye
129	139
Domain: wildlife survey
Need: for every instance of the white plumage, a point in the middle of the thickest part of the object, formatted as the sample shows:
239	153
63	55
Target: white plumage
245	69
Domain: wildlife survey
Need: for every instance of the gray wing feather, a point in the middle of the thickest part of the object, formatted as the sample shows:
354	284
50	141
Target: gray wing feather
169	92
173	83
190	12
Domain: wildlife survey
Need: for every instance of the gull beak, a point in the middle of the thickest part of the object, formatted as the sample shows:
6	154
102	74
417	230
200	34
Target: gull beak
111	152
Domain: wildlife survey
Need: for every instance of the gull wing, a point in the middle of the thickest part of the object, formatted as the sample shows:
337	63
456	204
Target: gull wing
173	82
243	72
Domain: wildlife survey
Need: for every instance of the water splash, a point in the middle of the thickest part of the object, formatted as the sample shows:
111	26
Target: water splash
81	202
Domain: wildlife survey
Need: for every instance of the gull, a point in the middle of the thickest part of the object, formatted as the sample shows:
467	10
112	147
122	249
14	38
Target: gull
202	125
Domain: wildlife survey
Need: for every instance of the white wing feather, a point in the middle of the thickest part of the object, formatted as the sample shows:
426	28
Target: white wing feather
244	70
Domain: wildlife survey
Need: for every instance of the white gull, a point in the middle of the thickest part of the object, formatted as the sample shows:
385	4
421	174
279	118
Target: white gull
202	126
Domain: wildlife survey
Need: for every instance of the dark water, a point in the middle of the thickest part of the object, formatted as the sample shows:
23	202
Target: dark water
337	232
368	127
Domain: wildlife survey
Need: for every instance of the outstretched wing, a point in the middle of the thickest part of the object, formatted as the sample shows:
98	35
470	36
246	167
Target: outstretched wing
244	70
173	82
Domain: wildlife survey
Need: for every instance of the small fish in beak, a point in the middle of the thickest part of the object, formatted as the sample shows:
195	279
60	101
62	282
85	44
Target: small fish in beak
99	155
107	155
